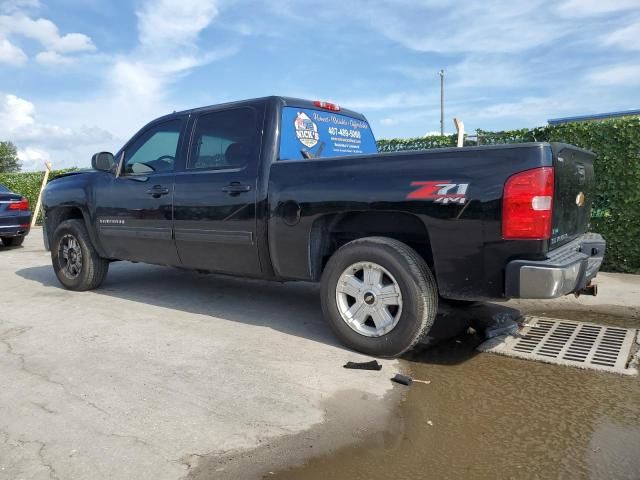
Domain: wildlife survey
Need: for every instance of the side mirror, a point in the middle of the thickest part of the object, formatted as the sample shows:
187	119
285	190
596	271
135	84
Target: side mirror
104	161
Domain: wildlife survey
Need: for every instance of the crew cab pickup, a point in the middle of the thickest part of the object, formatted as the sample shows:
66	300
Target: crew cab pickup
285	189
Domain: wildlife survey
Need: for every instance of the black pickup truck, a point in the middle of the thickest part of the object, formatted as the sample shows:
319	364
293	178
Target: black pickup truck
285	189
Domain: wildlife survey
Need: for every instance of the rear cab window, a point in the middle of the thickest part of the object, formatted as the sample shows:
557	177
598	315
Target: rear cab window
314	133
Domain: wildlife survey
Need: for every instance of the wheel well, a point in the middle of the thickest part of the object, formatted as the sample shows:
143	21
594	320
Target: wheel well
58	215
331	232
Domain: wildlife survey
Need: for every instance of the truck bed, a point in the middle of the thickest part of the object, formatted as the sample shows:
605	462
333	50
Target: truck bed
471	254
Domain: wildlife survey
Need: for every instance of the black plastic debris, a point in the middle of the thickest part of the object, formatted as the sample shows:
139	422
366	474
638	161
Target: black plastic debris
502	326
372	365
402	379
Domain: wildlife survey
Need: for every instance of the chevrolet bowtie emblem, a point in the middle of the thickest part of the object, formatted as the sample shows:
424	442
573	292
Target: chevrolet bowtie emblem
580	199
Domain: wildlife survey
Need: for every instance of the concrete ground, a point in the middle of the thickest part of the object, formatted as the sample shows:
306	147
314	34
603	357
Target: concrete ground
618	295
169	374
159	367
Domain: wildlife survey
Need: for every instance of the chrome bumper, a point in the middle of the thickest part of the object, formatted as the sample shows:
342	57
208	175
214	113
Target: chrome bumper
568	269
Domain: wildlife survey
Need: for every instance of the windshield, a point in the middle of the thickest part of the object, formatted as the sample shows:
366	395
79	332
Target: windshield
310	133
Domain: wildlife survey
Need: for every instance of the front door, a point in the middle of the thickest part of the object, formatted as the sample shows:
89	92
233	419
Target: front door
135	208
215	193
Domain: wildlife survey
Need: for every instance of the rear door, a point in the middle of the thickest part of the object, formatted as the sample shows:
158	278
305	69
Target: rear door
215	193
574	192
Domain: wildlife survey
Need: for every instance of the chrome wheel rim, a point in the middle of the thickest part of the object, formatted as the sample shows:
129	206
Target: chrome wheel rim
369	299
70	256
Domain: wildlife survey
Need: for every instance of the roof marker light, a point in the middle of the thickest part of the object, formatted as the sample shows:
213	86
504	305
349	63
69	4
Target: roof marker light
327	106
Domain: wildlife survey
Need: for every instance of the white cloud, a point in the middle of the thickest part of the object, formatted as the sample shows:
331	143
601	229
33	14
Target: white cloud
53	58
526	108
133	91
72	42
476	70
627	38
174	22
387	121
146	79
11	54
470	26
12	6
15	113
573	8
626	75
19	123
45	32
138	82
435	133
392	101
446	26
33	158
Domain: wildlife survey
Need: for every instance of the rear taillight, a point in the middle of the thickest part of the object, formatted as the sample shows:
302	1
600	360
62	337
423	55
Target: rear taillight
20	205
527	205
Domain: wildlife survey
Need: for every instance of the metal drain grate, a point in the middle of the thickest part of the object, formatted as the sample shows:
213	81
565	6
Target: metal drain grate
566	342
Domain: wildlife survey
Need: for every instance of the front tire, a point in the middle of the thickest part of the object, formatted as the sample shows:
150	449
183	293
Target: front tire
12	241
379	296
75	261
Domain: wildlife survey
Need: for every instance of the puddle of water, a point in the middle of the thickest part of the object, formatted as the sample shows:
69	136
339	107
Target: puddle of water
487	416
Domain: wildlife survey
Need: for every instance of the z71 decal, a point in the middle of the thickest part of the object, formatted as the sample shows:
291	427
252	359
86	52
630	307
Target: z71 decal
440	191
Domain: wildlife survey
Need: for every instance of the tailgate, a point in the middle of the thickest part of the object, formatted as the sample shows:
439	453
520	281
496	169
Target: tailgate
574	192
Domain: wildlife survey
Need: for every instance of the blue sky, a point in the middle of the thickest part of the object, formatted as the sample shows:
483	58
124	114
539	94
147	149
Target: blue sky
79	76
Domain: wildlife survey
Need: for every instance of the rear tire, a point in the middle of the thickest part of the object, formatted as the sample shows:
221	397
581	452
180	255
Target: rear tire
379	296
75	261
12	241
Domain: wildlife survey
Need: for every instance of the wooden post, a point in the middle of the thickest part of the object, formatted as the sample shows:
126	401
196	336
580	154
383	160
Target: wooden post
39	202
460	129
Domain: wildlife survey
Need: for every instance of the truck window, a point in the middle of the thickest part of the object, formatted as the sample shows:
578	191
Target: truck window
224	139
154	150
311	133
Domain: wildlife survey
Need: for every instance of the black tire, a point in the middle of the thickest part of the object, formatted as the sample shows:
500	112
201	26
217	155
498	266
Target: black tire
93	268
416	283
12	241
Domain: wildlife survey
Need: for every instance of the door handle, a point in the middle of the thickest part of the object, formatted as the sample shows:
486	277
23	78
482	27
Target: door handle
235	188
157	191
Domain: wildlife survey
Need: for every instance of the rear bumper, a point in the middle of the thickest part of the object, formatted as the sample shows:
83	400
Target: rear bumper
567	269
15	225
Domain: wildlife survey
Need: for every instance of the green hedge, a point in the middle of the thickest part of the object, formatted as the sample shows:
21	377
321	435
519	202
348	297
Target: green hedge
616	142
418	143
28	183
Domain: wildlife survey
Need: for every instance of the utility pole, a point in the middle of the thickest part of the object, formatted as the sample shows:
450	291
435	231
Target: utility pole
442	103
